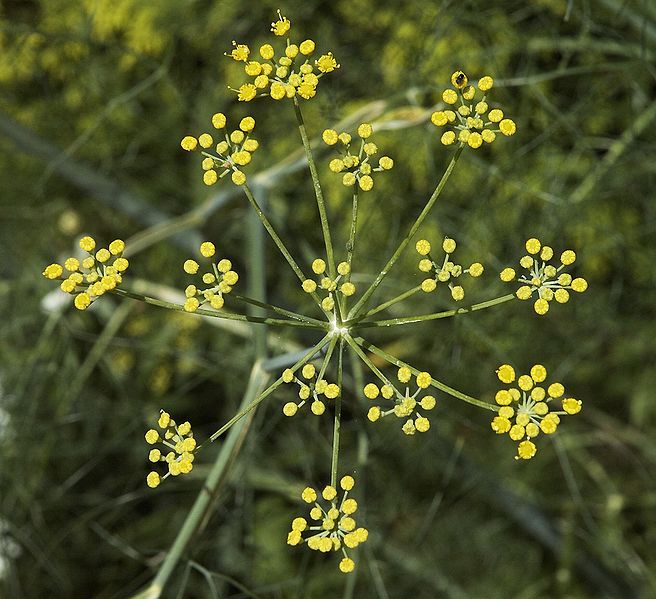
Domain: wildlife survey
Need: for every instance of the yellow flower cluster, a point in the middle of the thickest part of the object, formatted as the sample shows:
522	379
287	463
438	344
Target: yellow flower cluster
528	404
178	446
405	404
357	168
229	155
340	283
217	282
311	387
448	271
470	121
544	278
291	74
332	526
96	274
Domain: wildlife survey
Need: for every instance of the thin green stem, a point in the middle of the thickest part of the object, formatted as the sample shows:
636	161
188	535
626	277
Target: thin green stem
317	190
350	248
387	304
216	314
434	316
270	389
279	243
278	310
272	232
257	281
413	229
365	359
338	417
350	245
327	357
435	383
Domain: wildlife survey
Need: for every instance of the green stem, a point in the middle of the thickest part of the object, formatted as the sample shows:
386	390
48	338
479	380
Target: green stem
350	246
413	229
272	232
204	501
279	244
338	417
278	310
216	314
387	304
317	190
365	359
257	282
434	316
435	383
270	389
326	359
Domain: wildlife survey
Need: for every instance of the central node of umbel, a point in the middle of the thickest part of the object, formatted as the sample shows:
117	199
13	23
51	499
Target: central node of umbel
338	329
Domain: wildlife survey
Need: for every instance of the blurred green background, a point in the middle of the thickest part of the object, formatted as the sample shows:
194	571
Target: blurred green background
94	98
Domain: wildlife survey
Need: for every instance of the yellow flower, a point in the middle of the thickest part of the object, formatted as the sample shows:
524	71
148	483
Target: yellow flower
189	143
180	439
544	279
327	63
471	127
240	52
334	528
87	244
53	271
530	405
233	152
281	26
405	403
246	92
95	275
207	249
365	130
359	167
218	120
459	80
485	83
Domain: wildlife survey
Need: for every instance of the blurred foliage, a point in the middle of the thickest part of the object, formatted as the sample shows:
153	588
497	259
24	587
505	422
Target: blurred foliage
94	98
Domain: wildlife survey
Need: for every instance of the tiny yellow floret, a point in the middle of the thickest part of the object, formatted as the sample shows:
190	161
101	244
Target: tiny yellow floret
188	143
423	247
191	267
424	380
507	127
330	137
506	373
207	249
365	130
82	301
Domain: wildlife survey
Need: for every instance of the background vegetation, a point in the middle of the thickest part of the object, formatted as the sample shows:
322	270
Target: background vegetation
94	98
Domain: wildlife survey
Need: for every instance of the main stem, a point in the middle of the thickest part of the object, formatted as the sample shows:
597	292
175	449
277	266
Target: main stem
205	498
317	190
338	417
413	229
